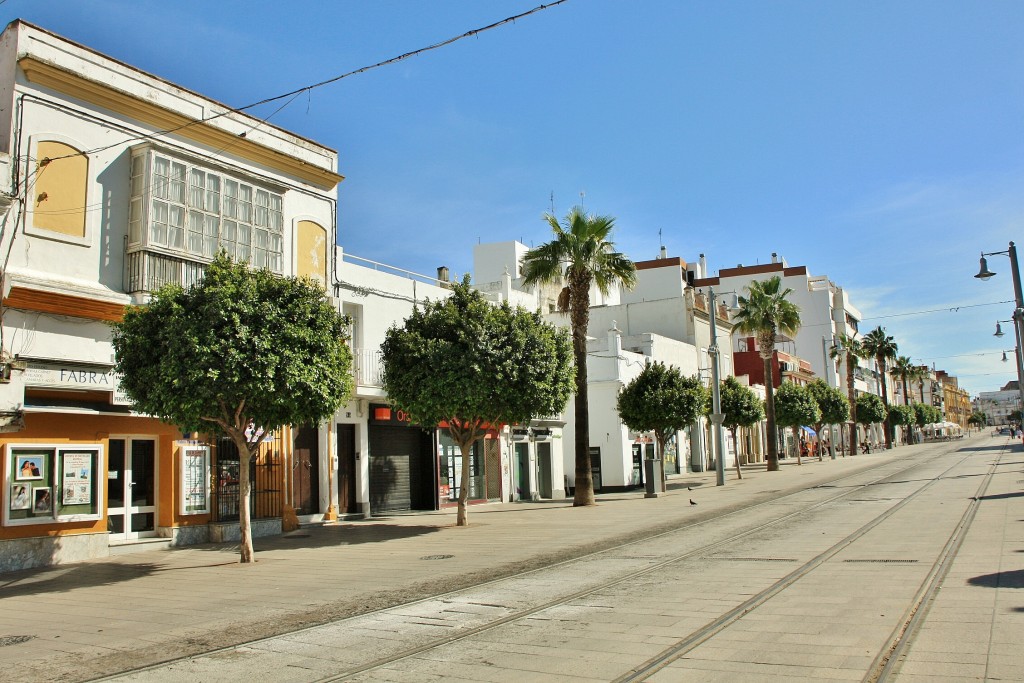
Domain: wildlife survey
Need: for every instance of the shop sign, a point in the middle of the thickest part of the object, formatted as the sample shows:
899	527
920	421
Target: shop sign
91	378
80	377
383	414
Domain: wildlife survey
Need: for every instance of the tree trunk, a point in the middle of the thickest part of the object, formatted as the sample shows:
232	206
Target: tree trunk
817	428
772	454
906	402
579	311
739	473
853	402
462	518
886	425
245	549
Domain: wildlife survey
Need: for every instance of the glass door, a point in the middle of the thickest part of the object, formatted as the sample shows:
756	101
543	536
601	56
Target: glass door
131	488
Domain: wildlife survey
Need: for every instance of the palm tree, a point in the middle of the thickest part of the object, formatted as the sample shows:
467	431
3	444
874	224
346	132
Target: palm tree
883	347
579	256
852	348
764	313
904	369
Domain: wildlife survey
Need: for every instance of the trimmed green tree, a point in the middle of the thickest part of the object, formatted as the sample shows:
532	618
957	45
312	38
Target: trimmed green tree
870	410
464	362
661	400
978	419
903	416
764	312
796	406
579	256
243	353
926	414
833	405
740	408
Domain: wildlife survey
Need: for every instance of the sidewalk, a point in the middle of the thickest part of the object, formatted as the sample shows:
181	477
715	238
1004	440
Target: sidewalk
81	621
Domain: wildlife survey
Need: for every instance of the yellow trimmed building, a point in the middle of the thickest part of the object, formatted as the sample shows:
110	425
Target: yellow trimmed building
115	182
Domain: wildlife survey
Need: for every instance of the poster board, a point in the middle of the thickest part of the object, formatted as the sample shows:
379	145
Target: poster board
194	475
44	484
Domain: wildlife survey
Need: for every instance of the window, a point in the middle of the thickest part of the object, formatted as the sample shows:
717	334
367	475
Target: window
47	484
197	211
59	192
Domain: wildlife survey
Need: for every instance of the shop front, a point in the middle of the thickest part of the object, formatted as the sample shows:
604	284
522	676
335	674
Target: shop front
402	468
85	474
76	484
484	469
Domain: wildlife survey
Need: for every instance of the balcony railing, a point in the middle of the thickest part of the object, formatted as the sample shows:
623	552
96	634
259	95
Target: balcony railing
367	367
148	271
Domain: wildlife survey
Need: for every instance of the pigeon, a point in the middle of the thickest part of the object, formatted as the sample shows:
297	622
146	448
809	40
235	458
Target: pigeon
689	488
693	502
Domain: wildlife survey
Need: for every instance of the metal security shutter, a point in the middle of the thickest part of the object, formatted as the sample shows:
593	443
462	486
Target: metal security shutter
391	450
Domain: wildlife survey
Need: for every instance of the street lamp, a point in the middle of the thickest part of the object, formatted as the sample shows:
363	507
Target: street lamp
1018	311
717	417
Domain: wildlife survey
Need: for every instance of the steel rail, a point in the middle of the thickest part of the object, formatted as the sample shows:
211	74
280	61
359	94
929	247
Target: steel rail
527	612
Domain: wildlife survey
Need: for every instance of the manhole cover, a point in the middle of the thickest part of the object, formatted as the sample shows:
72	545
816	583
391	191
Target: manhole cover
884	561
437	557
14	640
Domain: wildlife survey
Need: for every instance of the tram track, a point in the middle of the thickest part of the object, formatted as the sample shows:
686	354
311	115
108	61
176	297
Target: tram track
881	667
654	564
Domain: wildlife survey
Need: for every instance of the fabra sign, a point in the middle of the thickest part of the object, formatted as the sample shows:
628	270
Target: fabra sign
80	377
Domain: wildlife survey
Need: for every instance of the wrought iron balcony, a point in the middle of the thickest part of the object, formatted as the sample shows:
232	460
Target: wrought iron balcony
148	271
367	367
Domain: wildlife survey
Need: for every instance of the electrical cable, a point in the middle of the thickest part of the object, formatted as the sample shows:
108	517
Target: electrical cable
335	79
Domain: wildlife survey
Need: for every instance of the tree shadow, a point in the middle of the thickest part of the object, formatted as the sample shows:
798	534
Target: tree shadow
1008	579
333	535
1003	496
69	577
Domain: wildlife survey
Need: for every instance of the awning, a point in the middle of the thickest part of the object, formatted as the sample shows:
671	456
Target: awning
809	431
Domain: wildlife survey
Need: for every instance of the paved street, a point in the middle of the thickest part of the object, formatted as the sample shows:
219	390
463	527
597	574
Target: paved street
809	573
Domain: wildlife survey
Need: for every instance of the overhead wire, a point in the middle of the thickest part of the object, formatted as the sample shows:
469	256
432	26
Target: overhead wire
329	81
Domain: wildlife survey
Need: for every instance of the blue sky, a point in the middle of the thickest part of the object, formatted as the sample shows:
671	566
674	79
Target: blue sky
878	143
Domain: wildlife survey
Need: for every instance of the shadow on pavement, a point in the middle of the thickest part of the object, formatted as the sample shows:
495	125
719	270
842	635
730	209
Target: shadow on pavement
345	534
1003	496
70	577
1008	579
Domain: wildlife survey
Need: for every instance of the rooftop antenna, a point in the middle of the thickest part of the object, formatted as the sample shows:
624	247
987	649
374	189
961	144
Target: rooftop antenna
582	195
660	242
552	202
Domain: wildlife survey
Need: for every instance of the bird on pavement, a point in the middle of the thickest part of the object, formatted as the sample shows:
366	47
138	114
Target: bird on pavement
693	502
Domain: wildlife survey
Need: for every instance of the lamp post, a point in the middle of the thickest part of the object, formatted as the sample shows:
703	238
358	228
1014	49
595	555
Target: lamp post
1018	311
717	417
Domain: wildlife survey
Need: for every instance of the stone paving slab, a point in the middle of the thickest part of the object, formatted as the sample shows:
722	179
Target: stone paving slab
155	605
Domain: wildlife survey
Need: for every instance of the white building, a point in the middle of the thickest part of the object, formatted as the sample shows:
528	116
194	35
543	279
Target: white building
661	319
119	182
384	463
999	405
826	313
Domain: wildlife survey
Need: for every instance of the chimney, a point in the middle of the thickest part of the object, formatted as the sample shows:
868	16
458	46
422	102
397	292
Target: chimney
775	257
664	252
615	339
442	273
703	267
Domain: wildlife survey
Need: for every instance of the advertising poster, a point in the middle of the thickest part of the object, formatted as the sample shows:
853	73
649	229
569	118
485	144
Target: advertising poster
77	483
194	479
